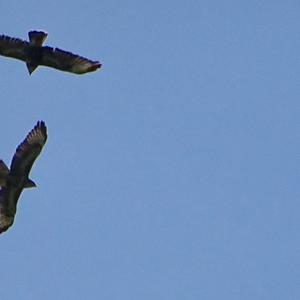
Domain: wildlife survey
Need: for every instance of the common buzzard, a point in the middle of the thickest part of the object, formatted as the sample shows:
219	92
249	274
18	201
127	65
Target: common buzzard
34	54
15	179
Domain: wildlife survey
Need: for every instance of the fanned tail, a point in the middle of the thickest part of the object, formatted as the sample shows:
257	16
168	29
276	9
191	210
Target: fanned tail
37	38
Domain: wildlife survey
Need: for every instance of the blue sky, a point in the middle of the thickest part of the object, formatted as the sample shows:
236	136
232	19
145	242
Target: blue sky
171	173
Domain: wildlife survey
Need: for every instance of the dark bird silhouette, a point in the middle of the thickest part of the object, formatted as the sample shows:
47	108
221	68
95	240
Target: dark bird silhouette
35	54
15	179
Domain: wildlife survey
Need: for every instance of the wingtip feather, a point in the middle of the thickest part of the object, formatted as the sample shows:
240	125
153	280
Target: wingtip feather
94	67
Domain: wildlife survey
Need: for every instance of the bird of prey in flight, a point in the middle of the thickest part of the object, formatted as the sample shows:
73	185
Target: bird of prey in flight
34	54
15	179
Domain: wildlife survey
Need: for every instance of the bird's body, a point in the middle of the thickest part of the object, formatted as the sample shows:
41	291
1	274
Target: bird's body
34	54
9	196
15	179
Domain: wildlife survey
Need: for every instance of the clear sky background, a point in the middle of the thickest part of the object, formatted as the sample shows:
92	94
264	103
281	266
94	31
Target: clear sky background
172	172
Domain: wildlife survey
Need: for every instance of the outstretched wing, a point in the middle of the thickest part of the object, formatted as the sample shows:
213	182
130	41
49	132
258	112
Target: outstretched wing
67	61
28	150
13	47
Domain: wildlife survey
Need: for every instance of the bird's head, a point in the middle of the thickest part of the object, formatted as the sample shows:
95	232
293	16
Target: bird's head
29	184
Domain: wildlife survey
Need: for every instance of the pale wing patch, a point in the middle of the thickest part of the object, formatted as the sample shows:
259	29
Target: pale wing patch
35	137
82	65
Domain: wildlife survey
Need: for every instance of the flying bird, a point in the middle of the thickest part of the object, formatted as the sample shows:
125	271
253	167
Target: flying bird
34	54
15	179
